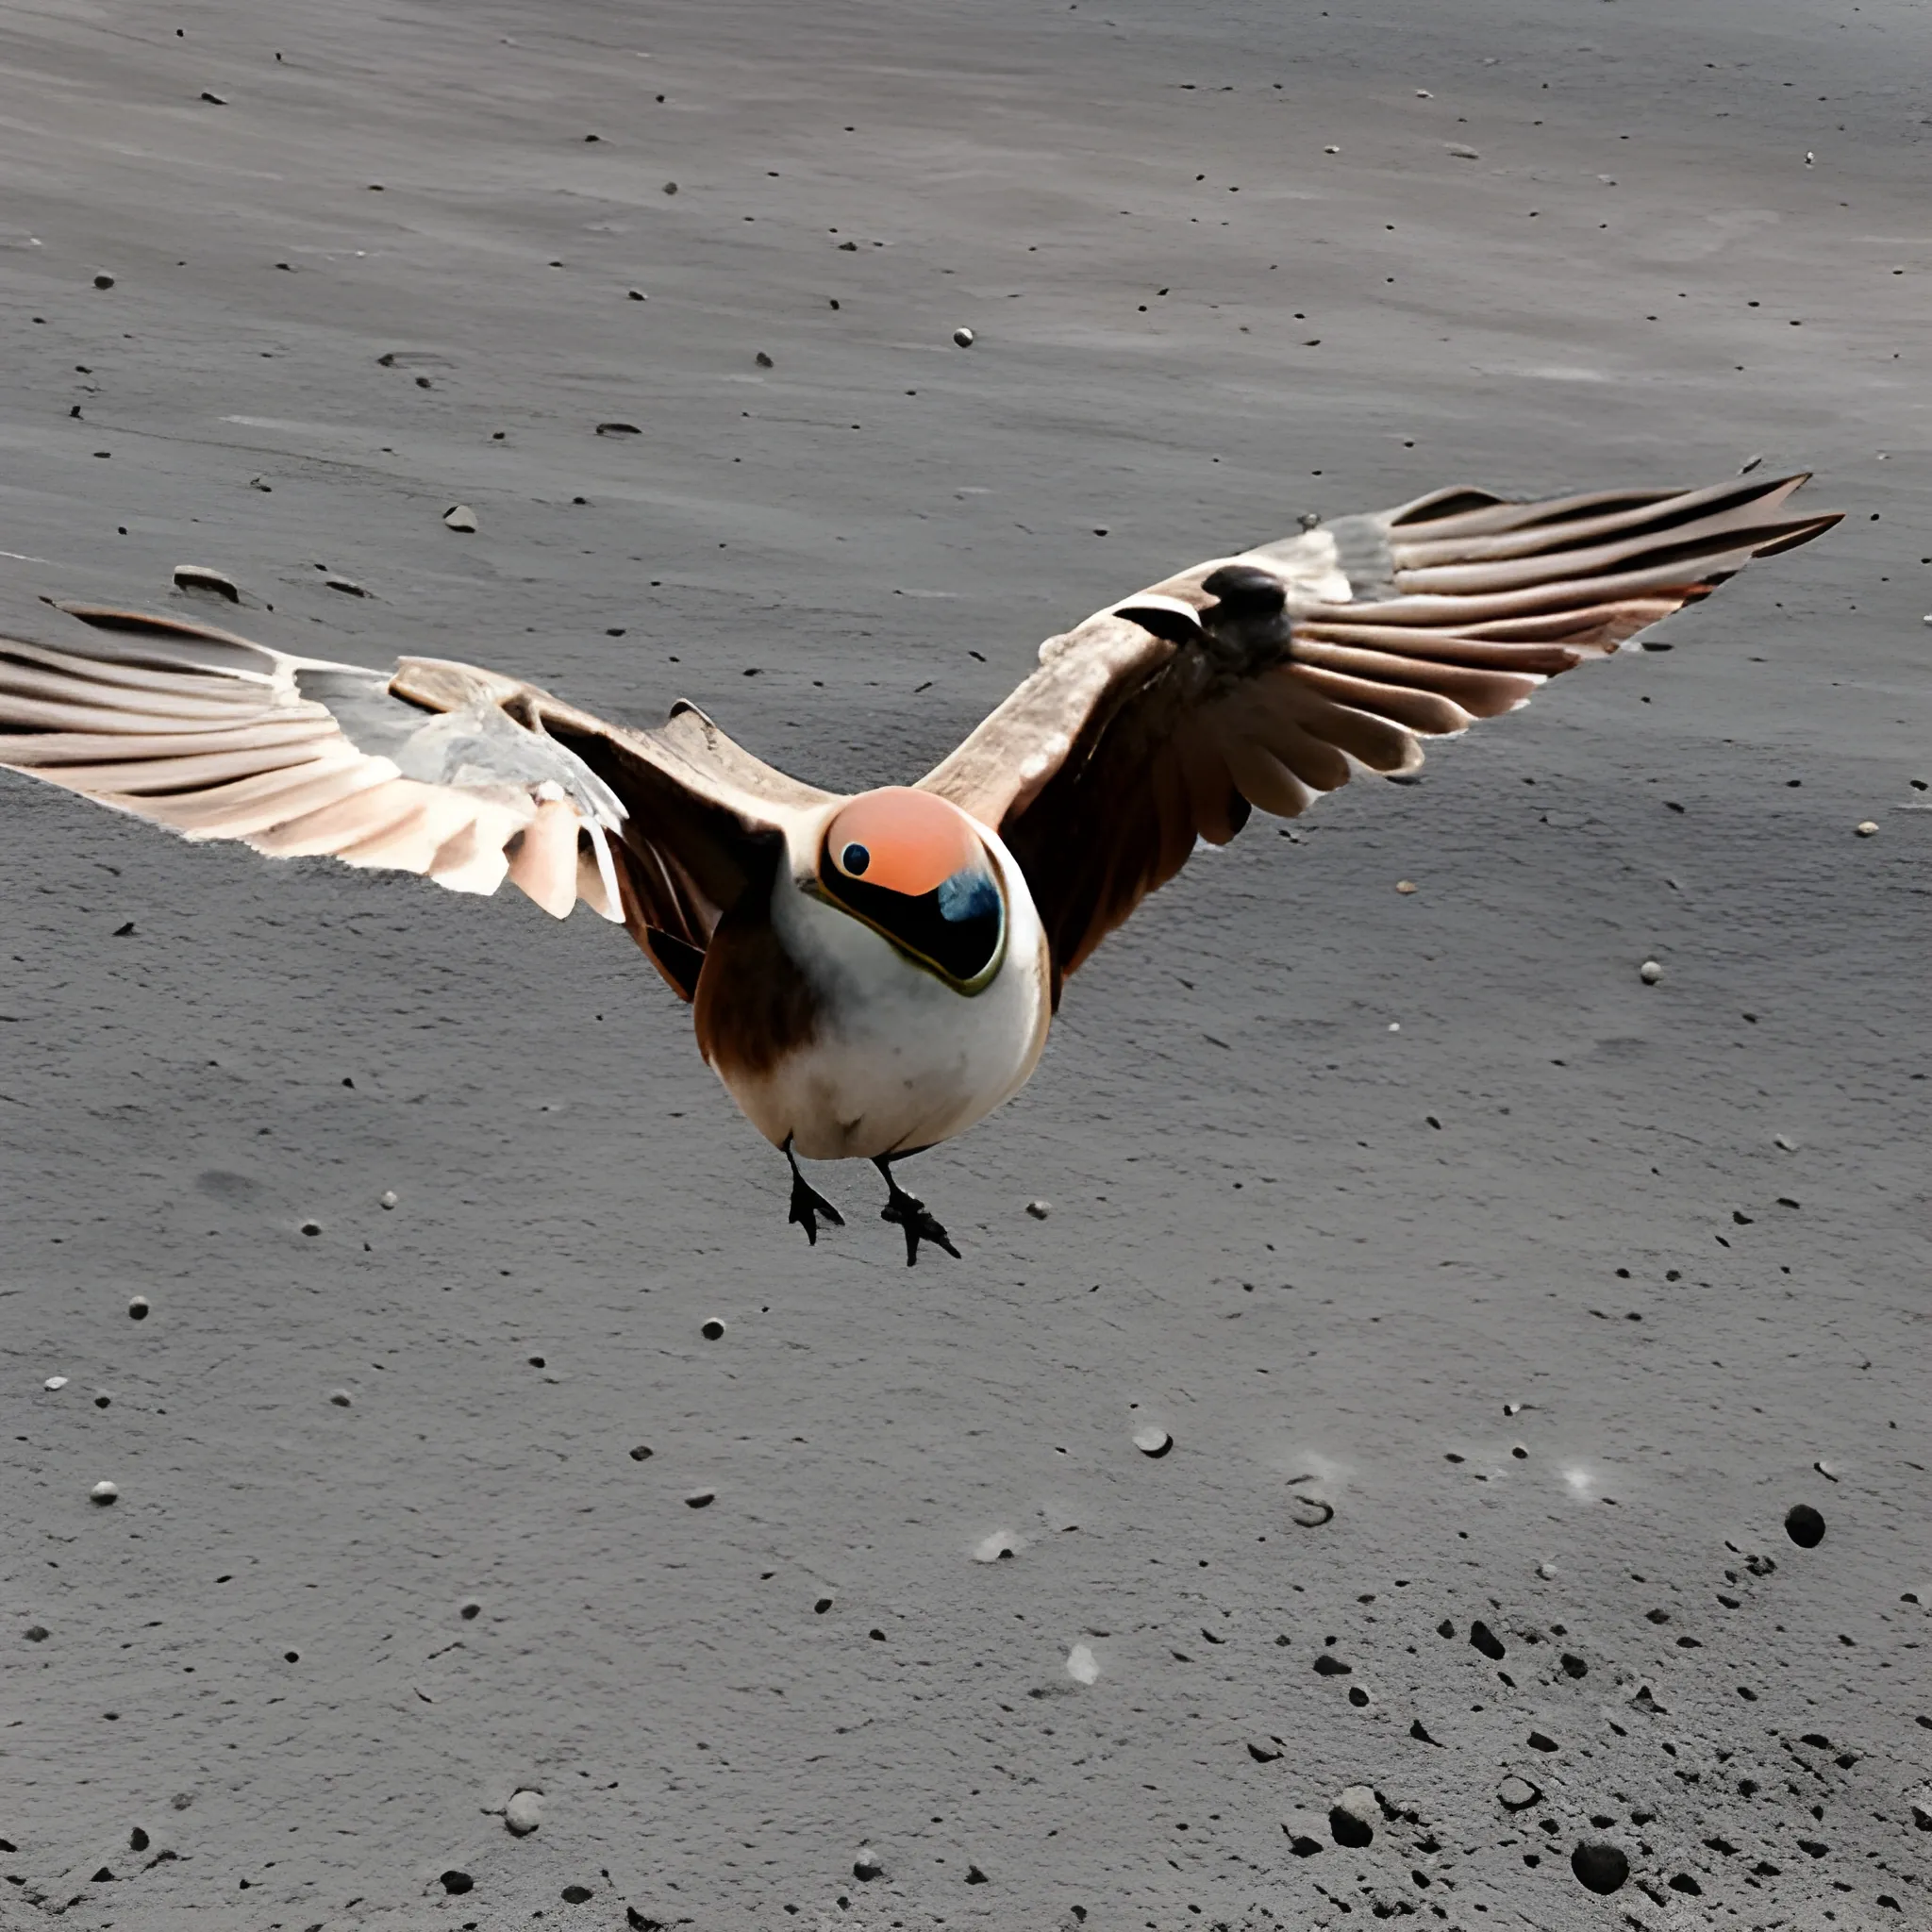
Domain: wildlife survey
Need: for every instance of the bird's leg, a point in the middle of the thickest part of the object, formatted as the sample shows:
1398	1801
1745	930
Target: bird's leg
808	1204
911	1214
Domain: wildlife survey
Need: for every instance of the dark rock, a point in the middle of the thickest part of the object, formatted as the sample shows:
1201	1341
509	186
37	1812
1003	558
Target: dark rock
1265	1750
1348	1830
1302	1847
1599	1868
456	1883
1517	1793
577	1894
1486	1641
1804	1525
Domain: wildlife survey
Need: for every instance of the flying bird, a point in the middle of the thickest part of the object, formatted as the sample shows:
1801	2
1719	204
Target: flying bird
871	974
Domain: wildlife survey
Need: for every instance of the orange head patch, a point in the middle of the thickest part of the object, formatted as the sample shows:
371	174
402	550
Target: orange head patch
903	841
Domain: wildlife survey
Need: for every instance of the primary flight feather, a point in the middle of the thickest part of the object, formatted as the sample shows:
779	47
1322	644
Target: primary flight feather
872	975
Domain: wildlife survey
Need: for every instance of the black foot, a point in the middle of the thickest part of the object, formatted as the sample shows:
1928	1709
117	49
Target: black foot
808	1204
911	1214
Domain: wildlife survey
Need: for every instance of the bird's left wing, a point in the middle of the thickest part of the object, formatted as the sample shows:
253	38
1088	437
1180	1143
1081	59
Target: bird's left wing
462	775
1266	678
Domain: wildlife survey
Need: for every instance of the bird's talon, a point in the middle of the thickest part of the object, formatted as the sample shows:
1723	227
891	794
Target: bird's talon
910	1213
808	1204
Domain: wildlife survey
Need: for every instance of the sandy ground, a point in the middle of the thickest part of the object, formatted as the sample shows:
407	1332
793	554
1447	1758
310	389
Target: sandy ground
1528	1298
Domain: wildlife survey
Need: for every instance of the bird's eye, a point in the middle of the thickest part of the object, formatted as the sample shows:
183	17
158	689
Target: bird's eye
855	858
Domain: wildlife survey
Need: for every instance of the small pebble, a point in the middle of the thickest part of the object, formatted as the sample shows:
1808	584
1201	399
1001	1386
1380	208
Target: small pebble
1804	1527
388	1197
763	360
459	516
55	1382
618	429
138	1309
213	99
1405	886
347	586
639	295
1039	1210
1331	150
964	338
1650	973
1784	1141
103	1493
1868	829
1151	1442
867	1865
701	1499
1263	1750
312	1228
456	1883
713	1330
1082	1665
341	1397
992	1549
103	281
1517	1793
642	1453
523	1813
1310	1512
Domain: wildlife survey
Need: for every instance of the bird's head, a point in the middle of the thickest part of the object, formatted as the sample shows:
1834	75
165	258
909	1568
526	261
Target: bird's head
915	868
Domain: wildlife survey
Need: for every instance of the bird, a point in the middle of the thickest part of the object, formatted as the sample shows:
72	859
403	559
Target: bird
870	975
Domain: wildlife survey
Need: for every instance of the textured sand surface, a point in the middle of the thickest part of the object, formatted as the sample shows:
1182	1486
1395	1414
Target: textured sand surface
1527	1299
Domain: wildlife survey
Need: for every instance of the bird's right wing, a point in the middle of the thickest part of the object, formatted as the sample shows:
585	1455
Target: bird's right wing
462	775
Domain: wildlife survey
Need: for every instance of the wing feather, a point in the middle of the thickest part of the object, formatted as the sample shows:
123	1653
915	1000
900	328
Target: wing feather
1265	679
462	775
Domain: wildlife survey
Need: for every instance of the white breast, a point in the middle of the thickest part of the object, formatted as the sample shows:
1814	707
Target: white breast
901	1060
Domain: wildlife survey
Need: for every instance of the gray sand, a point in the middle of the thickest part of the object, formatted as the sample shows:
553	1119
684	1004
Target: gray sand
1328	1257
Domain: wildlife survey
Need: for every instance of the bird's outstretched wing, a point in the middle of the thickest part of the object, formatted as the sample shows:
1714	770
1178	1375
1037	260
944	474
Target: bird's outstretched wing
1267	678
462	774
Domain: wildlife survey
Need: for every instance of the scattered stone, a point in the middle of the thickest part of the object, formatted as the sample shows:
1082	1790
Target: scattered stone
103	1493
103	281
198	576
36	1633
1082	1665
867	1865
266	489
1420	1732
388	1198
1331	150
138	1841
456	1883
1538	1741
138	1309
1326	1666
213	99
1868	829
523	1813
1310	1512
713	1330
1463	153
1573	1666
1153	1442
976	1876
763	360
701	1499
471	1610
642	1453
1804	1525
670	188
1517	1793
638	295
619	429
1039	1210
341	1397
312	1228
1650	973
1263	1750
1405	886
638	1923
577	1894
1486	1641
964	338
1599	1868
459	516
55	1382
1301	1845
1352	1818
347	586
